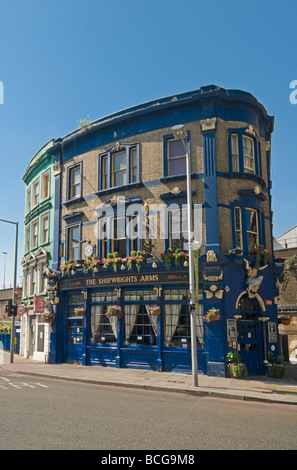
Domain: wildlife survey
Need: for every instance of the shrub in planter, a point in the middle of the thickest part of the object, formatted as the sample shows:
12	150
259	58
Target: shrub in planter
276	368
236	368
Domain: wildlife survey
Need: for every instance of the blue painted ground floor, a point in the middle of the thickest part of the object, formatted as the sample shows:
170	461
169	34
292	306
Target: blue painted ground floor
160	339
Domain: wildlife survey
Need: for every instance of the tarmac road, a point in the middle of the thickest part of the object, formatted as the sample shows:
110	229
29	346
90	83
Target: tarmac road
41	413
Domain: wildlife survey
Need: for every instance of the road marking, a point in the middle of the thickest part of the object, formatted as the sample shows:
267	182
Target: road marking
19	384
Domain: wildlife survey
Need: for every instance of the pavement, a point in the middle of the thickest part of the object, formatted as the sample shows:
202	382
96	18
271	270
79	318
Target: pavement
256	388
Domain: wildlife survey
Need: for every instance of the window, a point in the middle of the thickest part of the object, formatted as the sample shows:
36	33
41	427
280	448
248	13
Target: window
104	172
34	234
113	234
176	157
238	228
74	242
133	165
45	185
119	168
74	182
44	228
252	227
27	239
248	155
103	328
246	228
244	153
35	193
235	152
177	223
28	202
177	328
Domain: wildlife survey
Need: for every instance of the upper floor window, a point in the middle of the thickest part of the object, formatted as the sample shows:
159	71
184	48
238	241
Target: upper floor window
28	201
35	193
74	183
244	153
74	242
44	228
176	157
246	228
34	232
45	185
119	167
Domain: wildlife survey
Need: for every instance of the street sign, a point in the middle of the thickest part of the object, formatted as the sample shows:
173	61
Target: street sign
38	304
16	292
21	310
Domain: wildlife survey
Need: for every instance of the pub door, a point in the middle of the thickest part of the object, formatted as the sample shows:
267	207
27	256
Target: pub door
250	345
74	339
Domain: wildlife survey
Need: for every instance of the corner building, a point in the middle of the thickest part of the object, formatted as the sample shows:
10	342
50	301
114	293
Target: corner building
132	159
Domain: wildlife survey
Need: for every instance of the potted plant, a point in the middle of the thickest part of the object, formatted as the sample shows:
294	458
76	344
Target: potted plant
68	267
236	368
285	319
92	263
114	311
48	317
213	314
79	311
168	258
155	310
276	368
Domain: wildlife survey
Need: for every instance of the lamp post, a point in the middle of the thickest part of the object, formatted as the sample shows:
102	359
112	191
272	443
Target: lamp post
4	252
12	335
179	132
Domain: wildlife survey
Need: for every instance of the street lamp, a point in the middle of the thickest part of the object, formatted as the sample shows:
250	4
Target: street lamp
12	335
180	132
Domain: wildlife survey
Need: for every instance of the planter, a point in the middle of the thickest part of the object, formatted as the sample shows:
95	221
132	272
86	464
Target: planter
48	318
155	311
237	371
114	311
276	371
79	311
212	315
285	321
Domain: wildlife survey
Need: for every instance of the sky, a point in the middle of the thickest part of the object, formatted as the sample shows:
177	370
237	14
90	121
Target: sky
64	60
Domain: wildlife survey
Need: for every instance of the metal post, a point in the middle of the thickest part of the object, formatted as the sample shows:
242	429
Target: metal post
12	335
180	133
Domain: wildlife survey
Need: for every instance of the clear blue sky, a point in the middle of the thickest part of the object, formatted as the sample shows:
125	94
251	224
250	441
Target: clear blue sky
64	60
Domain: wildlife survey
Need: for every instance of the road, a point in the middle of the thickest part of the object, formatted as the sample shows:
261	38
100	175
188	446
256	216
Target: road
40	414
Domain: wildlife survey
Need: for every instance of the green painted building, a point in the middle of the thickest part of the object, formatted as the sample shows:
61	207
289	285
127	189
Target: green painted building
38	252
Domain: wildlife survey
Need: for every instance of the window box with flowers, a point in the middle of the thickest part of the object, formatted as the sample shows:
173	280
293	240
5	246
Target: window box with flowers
176	257
212	315
68	267
92	263
114	311
260	253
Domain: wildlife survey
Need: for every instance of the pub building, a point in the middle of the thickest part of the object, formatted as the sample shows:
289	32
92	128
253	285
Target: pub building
123	300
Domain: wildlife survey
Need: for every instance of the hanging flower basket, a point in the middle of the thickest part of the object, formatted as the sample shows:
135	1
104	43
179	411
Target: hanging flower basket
213	314
114	311
155	311
285	319
80	311
48	317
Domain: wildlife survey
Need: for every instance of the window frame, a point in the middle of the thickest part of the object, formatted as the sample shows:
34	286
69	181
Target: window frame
106	180
34	223
70	171
45	182
166	141
42	218
69	229
245	237
242	134
36	194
